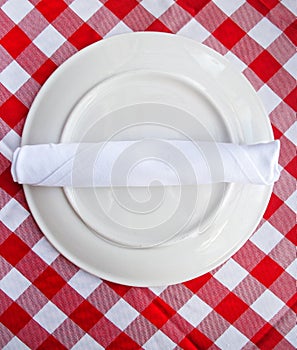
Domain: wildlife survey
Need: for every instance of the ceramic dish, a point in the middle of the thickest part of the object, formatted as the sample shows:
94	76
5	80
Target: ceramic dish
135	86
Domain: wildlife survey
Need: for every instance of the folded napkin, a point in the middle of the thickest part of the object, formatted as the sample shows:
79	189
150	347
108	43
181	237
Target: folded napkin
145	162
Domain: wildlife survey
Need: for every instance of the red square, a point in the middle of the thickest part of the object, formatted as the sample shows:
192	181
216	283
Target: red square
195	340
13	249
51	343
231	307
267	337
120	289
228	33
49	282
273	205
12	111
195	284
7	183
15	41
193	6
158	26
86	315
291	32
123	341
263	6
158	312
15	318
84	36
265	66
44	71
277	133
267	271
121	7
292	303
51	9
291	167
292	235
291	99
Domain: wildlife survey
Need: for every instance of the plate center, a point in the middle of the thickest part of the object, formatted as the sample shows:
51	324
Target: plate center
129	108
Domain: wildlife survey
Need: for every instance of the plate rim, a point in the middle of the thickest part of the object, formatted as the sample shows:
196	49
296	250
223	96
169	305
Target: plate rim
40	220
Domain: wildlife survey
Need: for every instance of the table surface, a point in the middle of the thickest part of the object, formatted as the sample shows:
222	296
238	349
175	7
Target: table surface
248	302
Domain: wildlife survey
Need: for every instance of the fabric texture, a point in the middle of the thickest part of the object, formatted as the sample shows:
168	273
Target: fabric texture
109	164
247	303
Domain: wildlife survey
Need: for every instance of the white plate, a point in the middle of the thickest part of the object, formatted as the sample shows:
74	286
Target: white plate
146	85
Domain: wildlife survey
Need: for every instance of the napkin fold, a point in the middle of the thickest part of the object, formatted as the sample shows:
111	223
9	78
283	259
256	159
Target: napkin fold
145	162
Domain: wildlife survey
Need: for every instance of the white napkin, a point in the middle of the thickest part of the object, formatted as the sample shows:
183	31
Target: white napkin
145	162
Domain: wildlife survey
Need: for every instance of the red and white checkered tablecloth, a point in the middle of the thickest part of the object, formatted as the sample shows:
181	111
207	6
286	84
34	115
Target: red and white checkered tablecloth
247	303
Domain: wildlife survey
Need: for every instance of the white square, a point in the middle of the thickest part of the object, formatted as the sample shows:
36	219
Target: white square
235	61
121	314
15	344
13	214
292	269
85	8
231	274
87	342
158	290
50	317
231	339
120	28
291	133
266	237
267	305
229	6
159	341
195	310
16	10
291	66
290	5
45	251
157	8
292	337
13	77
291	202
14	284
10	142
84	283
194	30
264	32
49	40
269	98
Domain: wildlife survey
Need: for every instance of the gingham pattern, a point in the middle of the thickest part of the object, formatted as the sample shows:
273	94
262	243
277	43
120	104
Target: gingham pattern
248	303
